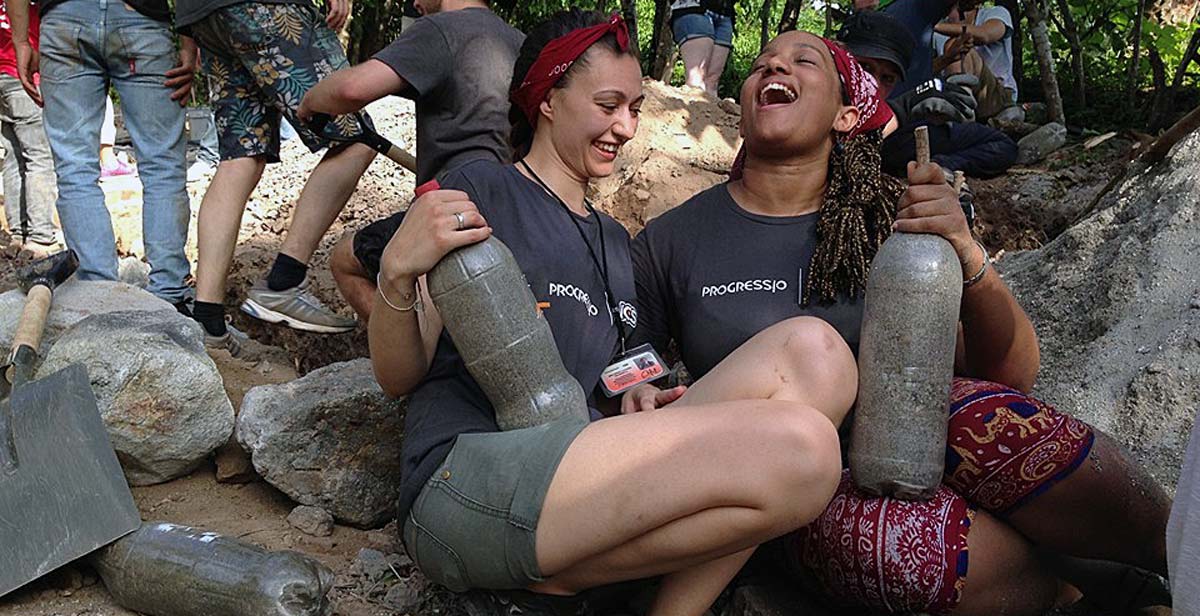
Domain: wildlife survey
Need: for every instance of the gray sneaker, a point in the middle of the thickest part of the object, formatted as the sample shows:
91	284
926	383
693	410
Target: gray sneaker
295	307
232	341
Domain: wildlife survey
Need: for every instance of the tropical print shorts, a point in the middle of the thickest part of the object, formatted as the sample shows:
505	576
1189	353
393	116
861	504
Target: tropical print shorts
260	60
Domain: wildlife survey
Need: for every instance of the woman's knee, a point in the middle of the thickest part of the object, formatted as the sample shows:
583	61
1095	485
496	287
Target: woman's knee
820	363
342	261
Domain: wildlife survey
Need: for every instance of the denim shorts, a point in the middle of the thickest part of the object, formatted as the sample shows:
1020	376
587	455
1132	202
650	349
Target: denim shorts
708	24
474	523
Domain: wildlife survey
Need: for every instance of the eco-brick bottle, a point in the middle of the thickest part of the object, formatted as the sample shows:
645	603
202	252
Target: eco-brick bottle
165	569
492	316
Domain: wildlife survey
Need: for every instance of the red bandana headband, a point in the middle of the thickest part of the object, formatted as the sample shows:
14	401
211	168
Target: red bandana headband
556	59
860	87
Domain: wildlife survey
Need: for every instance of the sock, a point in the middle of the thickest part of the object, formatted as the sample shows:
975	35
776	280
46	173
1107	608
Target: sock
286	273
211	316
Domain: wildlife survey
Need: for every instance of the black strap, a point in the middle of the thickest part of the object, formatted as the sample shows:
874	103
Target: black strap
600	262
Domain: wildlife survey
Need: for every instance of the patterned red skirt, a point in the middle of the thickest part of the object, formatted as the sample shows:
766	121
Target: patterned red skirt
1003	449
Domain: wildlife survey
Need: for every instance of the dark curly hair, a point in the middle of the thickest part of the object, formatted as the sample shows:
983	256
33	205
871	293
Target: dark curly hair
559	24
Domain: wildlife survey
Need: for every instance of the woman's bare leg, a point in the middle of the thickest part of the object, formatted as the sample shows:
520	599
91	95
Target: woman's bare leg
696	53
1004	576
802	359
667	490
716	66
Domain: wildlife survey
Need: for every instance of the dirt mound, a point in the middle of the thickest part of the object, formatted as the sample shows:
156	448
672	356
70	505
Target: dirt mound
1116	301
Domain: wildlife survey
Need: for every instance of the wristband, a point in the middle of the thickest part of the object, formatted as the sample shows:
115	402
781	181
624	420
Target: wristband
416	305
978	275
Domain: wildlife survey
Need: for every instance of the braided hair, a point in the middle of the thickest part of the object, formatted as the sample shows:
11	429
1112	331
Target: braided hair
856	217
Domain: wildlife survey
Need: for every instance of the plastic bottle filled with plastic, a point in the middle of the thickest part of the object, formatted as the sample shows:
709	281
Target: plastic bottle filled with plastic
905	367
164	569
507	345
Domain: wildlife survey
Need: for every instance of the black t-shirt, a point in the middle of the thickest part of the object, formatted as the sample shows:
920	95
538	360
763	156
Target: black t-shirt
710	275
458	65
157	10
560	271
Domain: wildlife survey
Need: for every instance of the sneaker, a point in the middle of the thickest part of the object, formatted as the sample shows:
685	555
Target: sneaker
296	308
121	168
200	170
233	341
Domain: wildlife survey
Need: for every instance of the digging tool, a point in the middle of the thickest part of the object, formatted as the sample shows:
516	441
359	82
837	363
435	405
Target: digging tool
320	124
62	492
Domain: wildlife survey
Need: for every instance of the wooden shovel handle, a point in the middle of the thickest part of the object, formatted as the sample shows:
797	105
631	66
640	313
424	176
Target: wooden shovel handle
33	318
402	158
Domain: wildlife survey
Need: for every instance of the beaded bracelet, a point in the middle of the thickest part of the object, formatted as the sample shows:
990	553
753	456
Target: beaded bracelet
978	275
417	305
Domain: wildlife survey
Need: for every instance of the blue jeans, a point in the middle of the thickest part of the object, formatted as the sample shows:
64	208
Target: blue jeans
28	168
708	24
85	45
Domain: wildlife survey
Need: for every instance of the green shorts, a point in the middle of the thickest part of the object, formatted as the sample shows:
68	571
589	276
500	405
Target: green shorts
473	524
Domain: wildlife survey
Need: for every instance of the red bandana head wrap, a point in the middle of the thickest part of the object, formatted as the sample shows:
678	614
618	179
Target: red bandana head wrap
860	87
556	59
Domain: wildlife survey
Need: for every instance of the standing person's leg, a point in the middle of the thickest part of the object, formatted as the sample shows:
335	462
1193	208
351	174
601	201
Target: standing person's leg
282	297
694	34
138	67
723	43
34	184
74	76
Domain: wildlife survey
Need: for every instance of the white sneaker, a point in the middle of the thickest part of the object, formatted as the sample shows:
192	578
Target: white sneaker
200	170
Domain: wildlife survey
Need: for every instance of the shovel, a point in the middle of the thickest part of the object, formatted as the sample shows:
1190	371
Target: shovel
320	122
62	492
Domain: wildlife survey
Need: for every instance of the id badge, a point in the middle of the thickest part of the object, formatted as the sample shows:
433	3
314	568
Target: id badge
637	366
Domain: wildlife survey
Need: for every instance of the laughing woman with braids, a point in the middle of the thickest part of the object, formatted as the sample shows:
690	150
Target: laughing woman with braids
791	237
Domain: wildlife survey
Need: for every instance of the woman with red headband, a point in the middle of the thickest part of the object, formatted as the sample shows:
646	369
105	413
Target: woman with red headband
803	215
687	492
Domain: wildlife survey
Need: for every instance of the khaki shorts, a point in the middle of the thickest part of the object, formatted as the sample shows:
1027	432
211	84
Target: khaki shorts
474	523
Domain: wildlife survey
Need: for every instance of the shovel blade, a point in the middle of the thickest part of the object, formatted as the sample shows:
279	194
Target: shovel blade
66	495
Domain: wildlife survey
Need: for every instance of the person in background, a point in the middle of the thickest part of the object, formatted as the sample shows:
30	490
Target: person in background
111	165
78	63
456	63
28	167
883	46
260	59
703	29
989	58
919	17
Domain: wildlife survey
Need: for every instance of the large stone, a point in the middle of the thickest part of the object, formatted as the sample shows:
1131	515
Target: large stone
330	439
1041	143
74	301
159	393
1111	300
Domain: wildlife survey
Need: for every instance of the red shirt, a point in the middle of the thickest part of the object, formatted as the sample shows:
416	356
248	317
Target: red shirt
8	55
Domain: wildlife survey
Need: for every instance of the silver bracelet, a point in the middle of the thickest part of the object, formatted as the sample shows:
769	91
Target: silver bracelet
978	275
416	305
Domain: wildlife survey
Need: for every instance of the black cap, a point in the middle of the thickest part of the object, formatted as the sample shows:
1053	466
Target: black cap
872	34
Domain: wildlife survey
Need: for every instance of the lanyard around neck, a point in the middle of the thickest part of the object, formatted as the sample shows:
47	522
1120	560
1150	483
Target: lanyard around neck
600	262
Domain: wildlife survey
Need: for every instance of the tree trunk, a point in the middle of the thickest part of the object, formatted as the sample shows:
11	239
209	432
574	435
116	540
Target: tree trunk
629	12
791	15
602	6
1131	82
764	16
1192	48
1018	40
1162	94
661	43
1159	149
1071	32
1045	55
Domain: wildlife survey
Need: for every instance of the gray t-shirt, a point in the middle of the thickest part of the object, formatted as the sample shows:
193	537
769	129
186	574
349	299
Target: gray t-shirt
458	65
998	55
710	275
1183	533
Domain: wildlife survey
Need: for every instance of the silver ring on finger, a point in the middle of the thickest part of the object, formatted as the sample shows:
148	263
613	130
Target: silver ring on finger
462	221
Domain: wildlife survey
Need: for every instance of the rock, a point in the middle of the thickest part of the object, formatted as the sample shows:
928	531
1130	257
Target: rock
330	439
311	521
773	600
730	106
74	301
372	564
1195	305
1040	143
405	597
1119	281
386	539
134	271
159	393
233	464
1036	113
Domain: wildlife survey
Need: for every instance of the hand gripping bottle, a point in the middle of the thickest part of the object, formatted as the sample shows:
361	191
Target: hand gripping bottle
906	365
169	570
507	345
